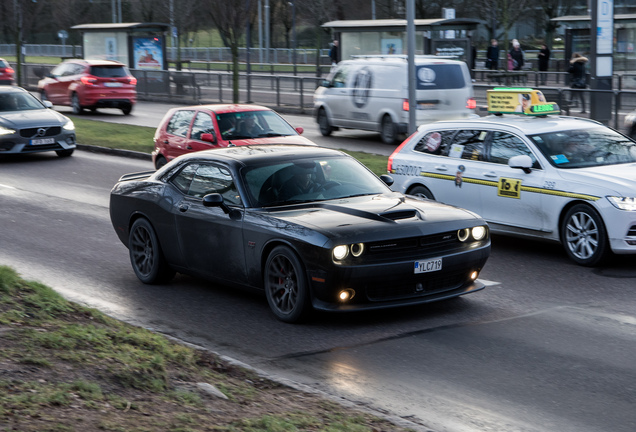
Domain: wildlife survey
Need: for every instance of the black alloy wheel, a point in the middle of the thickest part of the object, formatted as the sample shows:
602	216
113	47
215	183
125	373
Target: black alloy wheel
146	256
286	285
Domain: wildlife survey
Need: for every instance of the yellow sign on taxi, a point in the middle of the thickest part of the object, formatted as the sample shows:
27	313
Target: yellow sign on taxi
505	100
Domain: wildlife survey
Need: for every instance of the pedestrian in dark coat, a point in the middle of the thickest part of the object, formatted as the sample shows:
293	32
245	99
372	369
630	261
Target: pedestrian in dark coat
578	76
492	55
544	62
517	55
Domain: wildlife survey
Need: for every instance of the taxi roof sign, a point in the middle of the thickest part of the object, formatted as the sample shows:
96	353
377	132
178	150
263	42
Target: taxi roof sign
518	100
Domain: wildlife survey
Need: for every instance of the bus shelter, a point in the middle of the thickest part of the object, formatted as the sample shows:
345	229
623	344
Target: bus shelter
438	36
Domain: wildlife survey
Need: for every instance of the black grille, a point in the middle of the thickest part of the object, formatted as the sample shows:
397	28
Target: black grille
33	132
39	148
441	241
632	231
421	286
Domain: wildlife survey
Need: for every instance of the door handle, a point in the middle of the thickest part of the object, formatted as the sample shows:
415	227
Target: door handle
166	142
183	208
441	168
490	174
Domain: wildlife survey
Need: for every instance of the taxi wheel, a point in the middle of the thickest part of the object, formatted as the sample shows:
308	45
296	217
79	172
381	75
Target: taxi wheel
286	285
323	123
421	192
584	236
387	130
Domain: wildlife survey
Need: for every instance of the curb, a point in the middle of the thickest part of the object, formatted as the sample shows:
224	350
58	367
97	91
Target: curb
115	152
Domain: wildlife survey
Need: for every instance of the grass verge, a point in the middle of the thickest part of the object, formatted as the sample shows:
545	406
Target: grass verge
66	367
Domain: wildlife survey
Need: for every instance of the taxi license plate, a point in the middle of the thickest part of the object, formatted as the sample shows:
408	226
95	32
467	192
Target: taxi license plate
40	141
113	84
427	266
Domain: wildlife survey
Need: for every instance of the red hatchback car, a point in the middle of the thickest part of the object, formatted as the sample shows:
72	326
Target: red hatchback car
203	127
90	84
7	74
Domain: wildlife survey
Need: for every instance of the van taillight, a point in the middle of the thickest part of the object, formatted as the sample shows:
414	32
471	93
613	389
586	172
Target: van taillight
471	103
405	105
88	80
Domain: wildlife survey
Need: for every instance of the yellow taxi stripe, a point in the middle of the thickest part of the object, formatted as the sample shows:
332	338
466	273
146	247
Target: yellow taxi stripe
523	188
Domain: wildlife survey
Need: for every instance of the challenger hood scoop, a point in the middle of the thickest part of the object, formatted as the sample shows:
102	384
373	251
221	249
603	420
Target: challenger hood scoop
399	214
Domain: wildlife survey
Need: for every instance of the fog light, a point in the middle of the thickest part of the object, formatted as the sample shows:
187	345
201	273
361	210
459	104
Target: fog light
474	275
346	295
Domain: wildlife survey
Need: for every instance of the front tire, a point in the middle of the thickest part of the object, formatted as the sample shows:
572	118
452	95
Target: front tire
421	192
286	285
75	104
160	161
146	255
583	236
388	131
323	123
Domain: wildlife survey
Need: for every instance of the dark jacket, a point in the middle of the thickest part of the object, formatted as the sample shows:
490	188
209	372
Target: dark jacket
577	71
544	59
517	55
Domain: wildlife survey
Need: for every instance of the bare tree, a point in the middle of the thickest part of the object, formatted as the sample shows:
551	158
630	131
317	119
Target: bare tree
552	9
231	19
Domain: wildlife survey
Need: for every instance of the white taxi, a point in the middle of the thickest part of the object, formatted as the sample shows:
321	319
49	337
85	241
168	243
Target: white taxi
565	179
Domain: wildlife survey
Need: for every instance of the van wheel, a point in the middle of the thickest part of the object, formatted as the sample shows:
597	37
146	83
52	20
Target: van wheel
421	192
323	123
387	130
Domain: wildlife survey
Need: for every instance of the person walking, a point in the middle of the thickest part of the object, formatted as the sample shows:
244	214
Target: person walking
492	55
333	53
517	55
578	77
544	62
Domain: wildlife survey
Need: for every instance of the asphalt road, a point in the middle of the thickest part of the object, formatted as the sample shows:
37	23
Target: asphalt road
547	346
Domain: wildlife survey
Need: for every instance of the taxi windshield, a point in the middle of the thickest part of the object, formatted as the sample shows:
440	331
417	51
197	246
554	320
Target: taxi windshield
585	147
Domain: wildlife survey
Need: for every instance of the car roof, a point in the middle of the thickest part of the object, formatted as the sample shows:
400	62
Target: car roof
396	59
226	108
12	89
529	125
256	154
96	62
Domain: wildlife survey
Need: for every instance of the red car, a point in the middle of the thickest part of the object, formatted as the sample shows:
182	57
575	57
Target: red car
90	84
203	127
7	74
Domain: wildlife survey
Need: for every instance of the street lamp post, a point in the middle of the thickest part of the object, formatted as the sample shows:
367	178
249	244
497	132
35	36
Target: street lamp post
293	5
17	15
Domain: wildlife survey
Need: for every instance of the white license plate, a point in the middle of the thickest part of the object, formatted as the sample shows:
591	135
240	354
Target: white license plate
40	141
431	265
113	84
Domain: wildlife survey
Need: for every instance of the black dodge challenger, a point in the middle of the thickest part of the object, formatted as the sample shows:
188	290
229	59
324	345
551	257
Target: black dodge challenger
313	227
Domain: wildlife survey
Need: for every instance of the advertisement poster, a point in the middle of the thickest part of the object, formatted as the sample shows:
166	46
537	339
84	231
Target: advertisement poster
111	48
391	46
148	53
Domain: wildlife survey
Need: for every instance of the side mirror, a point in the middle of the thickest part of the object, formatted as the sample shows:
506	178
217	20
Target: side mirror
47	104
215	200
523	162
208	137
326	83
387	179
300	130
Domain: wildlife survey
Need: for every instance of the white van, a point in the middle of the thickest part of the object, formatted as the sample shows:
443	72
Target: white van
371	93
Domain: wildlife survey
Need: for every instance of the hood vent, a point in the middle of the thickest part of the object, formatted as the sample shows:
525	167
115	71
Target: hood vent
399	214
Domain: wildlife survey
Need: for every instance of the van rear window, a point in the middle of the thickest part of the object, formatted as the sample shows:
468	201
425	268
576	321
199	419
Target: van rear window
439	77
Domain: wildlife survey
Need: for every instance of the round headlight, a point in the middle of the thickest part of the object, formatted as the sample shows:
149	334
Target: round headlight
463	234
479	232
357	249
340	252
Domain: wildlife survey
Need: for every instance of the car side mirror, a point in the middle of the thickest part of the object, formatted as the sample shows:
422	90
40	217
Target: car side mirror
326	83
523	162
215	200
47	104
300	130
387	179
208	137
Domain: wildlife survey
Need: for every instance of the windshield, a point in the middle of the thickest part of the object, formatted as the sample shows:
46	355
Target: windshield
308	180
19	101
253	124
586	147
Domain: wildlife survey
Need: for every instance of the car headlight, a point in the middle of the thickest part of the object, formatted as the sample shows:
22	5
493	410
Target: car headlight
69	126
6	131
340	252
479	232
623	203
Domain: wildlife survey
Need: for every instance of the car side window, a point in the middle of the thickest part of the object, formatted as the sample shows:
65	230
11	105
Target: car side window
180	123
214	179
469	144
340	78
504	145
60	69
437	143
202	124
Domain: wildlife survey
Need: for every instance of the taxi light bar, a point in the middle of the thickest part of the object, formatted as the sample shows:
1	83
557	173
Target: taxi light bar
519	100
